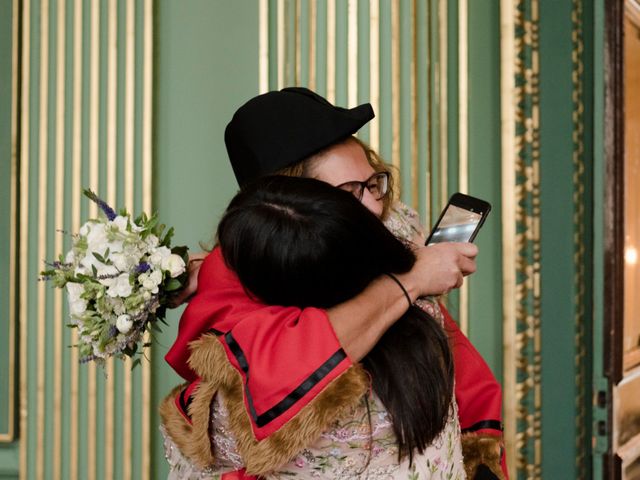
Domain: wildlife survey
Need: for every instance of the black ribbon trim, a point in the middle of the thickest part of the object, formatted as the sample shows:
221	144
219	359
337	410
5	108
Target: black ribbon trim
290	400
184	404
481	425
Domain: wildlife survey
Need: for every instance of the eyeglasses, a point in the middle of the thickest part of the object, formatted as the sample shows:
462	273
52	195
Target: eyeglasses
377	184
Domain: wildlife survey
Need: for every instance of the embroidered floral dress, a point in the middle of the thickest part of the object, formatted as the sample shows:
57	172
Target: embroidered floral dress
360	445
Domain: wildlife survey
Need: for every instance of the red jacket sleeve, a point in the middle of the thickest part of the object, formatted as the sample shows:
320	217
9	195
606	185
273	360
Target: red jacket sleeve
285	355
478	393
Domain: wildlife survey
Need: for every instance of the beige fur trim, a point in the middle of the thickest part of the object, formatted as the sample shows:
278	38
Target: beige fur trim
478	449
192	439
209	360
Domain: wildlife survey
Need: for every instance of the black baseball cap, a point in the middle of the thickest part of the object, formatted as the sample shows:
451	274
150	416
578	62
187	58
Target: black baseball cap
280	128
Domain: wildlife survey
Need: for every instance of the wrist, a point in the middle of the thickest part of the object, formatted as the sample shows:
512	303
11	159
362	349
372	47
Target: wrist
410	285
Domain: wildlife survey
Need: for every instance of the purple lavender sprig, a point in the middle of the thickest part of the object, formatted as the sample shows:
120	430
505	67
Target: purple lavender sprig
142	267
104	206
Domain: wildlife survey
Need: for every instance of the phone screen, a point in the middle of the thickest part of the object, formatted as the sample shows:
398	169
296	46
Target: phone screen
456	225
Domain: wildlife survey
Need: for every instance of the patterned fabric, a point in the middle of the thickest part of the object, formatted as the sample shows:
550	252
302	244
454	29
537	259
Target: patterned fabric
352	448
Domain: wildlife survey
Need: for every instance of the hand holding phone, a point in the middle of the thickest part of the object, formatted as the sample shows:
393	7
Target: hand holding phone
460	220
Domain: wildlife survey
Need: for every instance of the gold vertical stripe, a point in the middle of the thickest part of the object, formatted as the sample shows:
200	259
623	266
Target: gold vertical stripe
430	120
331	50
264	46
442	84
129	104
58	326
395	83
374	75
352	52
146	123
24	232
129	125
313	9
43	145
463	85
93	210
298	36
112	99
508	121
414	106
9	437
75	224
112	179
281	29
463	165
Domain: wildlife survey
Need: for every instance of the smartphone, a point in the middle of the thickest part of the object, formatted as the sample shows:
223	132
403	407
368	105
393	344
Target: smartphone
460	220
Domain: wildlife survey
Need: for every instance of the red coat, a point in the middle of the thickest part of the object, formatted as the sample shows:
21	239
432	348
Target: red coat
286	355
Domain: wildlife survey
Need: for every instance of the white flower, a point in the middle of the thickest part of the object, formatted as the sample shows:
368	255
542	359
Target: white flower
70	257
120	223
174	265
106	271
124	323
152	241
77	305
97	238
123	261
150	281
120	286
158	255
85	229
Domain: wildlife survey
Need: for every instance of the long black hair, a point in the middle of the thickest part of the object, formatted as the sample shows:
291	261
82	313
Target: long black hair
299	241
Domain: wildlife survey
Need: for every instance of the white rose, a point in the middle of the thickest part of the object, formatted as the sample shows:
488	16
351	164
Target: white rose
156	277
124	323
152	241
120	286
158	255
174	265
151	281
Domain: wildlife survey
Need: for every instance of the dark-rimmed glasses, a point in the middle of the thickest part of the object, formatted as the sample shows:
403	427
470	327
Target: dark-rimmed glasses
377	184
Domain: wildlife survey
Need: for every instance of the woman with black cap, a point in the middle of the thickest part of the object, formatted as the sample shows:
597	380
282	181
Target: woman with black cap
299	132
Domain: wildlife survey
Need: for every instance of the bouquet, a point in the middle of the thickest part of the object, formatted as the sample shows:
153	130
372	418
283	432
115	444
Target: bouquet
119	276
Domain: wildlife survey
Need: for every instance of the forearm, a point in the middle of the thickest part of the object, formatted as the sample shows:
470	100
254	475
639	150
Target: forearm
360	322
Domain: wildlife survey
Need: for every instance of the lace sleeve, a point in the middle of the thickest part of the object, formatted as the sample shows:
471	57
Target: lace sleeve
404	222
224	445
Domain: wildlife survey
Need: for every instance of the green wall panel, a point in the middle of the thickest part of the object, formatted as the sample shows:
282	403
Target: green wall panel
206	66
485	295
78	421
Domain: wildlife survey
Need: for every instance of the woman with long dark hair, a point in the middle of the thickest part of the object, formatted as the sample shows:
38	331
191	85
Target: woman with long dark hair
301	242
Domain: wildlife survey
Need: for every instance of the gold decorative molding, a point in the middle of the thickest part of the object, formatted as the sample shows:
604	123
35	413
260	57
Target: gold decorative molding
579	234
442	76
9	435
25	159
463	133
521	235
508	134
